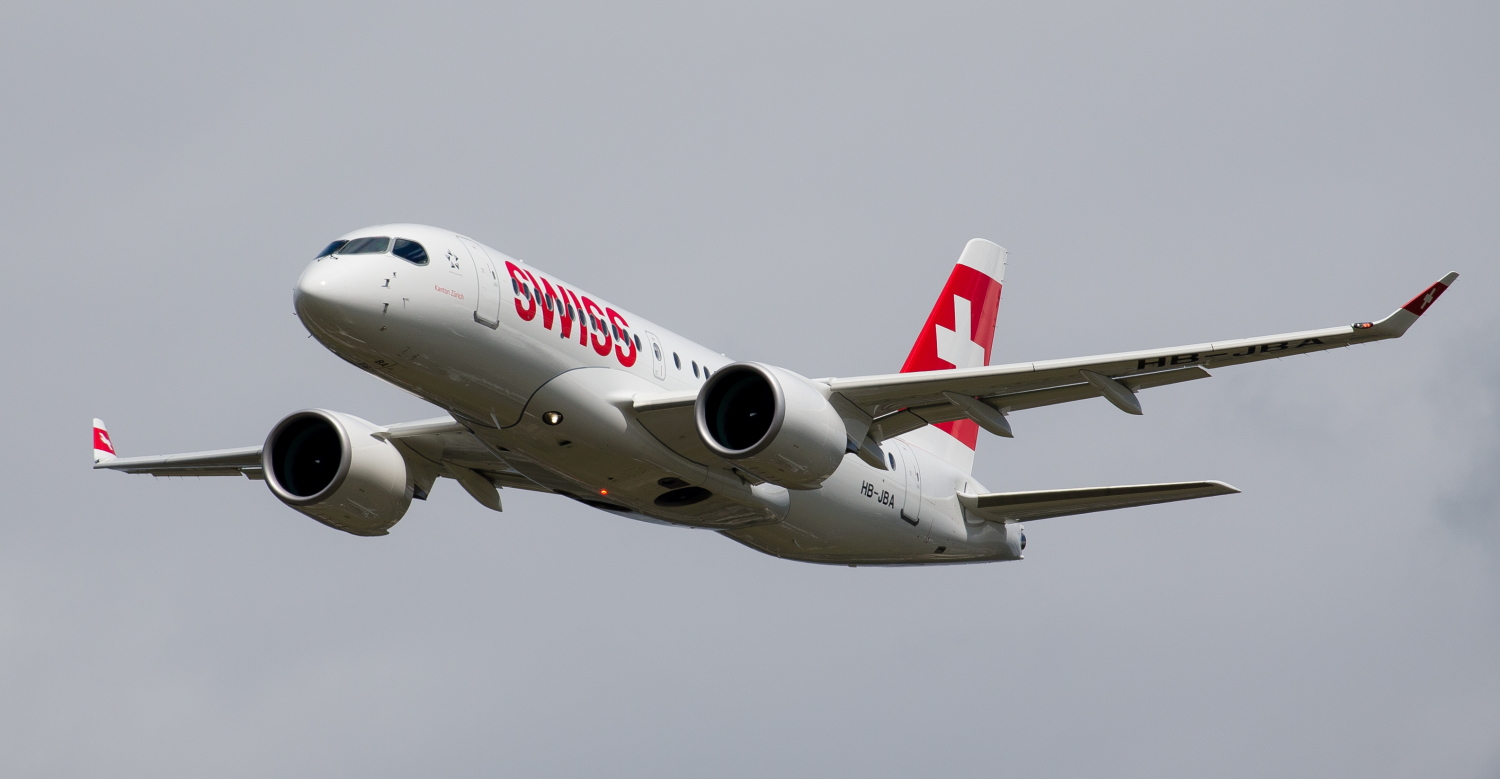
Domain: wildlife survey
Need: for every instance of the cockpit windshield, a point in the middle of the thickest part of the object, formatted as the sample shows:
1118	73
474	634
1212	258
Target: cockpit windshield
366	246
411	251
332	247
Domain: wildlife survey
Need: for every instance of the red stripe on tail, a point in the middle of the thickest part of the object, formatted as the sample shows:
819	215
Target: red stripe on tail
959	333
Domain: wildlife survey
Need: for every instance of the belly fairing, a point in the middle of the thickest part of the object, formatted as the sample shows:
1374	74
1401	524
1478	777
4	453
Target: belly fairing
841	523
579	430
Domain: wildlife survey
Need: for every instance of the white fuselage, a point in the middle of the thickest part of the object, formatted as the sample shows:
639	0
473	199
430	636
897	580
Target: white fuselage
499	344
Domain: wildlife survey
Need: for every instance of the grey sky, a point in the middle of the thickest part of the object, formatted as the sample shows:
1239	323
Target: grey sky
787	184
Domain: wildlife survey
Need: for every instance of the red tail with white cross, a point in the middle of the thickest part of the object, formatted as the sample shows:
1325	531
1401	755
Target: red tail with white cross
104	449
958	334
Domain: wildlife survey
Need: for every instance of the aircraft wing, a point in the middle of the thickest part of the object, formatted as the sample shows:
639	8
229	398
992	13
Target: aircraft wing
901	402
450	449
1042	504
220	462
877	408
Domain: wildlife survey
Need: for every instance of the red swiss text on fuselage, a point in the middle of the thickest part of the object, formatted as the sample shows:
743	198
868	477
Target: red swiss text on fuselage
619	325
603	327
525	306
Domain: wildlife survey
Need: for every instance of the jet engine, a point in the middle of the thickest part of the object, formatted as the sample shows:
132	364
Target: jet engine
328	466
772	424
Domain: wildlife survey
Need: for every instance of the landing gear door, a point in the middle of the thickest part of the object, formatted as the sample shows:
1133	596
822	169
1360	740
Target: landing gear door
487	302
658	357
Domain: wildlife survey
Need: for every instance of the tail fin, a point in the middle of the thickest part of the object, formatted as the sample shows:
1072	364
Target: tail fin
958	334
104	449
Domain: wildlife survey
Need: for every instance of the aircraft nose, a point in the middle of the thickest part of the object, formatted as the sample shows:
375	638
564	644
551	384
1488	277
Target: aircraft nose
333	293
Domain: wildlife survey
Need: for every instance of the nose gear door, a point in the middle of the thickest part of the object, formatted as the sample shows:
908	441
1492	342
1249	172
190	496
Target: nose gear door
487	302
658	357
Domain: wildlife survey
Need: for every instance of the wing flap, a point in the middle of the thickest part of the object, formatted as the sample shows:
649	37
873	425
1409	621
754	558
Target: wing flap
909	419
892	392
1043	504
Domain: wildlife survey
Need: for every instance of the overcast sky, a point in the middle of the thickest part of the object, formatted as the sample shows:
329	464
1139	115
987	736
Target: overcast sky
787	183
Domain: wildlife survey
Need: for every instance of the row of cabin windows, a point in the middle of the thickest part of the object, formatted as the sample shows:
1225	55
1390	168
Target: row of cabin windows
411	251
678	362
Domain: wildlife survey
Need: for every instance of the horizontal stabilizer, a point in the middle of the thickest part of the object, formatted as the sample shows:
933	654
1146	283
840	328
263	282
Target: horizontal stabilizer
1042	504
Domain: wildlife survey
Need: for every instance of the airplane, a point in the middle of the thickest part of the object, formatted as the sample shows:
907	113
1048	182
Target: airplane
552	389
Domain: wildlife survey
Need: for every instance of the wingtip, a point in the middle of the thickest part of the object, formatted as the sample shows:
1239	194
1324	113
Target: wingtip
1228	489
1424	299
1396	325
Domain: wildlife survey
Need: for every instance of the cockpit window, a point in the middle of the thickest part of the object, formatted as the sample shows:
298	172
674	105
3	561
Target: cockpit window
366	246
332	247
411	251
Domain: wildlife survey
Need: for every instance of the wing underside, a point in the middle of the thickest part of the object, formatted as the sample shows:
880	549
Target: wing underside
1043	504
441	446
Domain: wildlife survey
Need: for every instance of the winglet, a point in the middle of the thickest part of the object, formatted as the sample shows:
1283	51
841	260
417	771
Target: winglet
1396	325
104	449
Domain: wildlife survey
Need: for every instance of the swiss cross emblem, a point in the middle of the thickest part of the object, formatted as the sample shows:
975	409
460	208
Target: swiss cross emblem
956	347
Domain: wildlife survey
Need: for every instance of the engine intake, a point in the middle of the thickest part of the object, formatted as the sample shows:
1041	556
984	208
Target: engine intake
328	466
772	424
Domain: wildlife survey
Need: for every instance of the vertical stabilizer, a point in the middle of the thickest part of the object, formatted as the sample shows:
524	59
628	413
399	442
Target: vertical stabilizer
104	449
958	334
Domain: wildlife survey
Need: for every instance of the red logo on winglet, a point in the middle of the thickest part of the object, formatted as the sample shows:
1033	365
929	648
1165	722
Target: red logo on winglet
1422	302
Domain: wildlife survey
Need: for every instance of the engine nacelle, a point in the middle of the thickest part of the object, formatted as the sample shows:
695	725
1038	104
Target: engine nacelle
772	424
329	467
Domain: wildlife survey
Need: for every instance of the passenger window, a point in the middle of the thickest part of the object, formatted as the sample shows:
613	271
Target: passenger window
366	246
695	368
892	459
638	346
332	247
411	251
705	371
677	361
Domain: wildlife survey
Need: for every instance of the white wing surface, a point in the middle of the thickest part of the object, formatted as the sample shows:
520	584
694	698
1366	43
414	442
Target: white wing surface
897	403
454	451
1042	504
905	401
